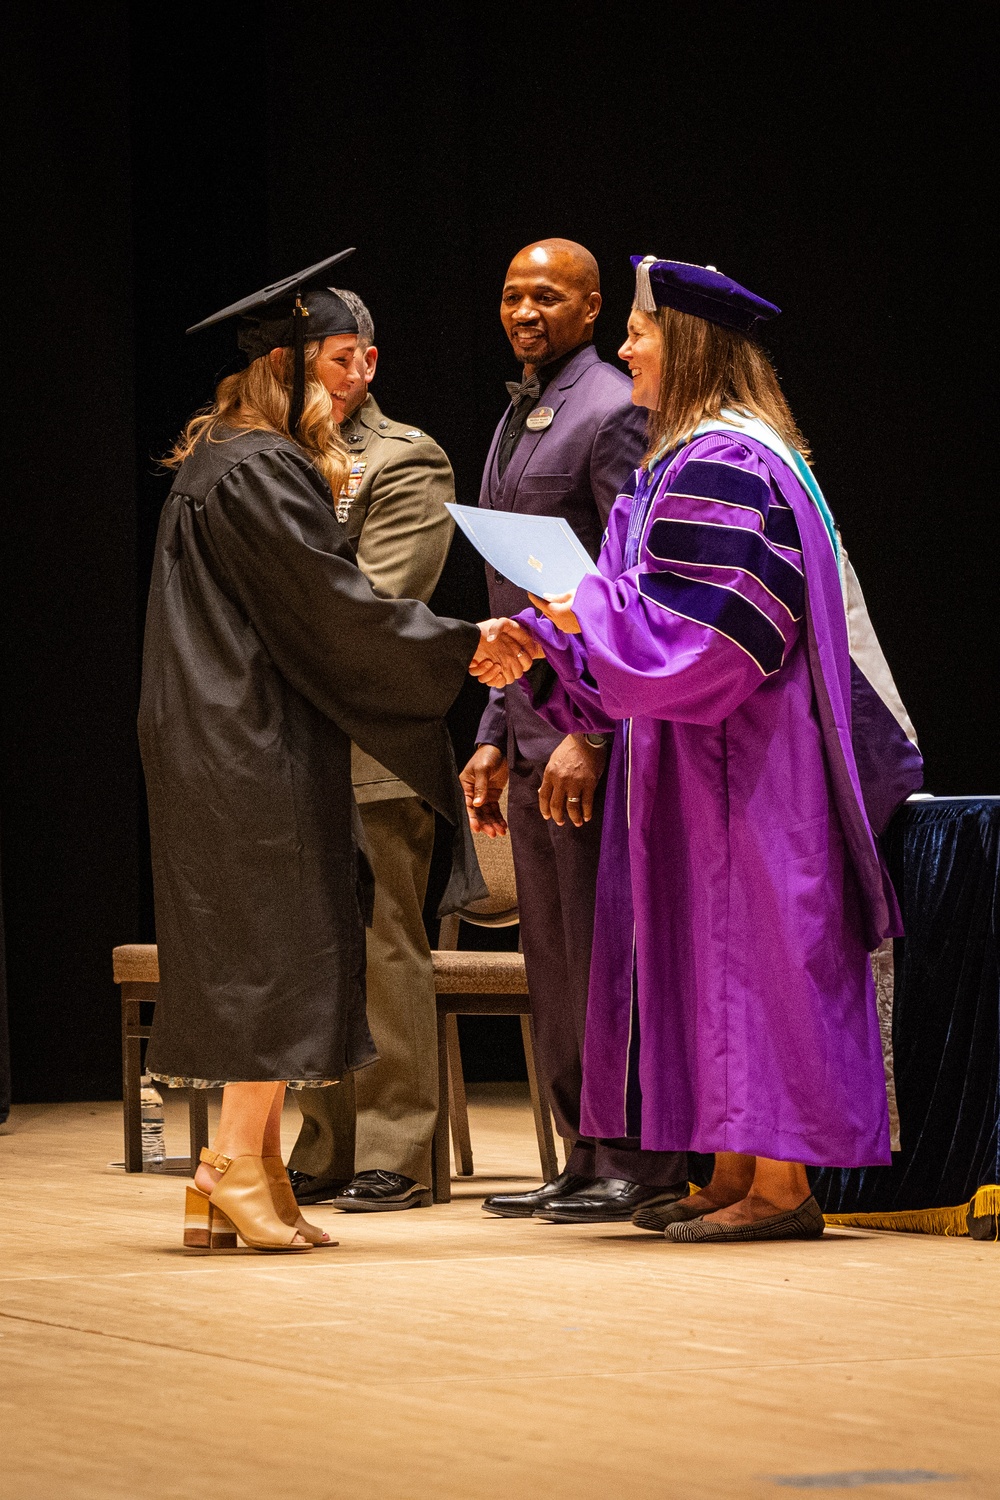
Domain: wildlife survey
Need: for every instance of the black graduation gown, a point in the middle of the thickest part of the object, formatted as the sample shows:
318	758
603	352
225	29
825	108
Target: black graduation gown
266	653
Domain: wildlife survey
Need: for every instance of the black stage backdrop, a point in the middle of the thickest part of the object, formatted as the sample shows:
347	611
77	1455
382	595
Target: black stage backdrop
161	166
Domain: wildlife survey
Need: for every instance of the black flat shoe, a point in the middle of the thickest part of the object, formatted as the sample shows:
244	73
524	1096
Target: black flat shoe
609	1200
523	1205
315	1189
803	1223
381	1192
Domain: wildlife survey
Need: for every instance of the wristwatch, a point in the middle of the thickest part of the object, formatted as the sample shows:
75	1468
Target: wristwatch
598	741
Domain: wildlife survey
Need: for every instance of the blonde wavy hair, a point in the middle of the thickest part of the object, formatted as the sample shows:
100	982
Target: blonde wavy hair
705	368
259	397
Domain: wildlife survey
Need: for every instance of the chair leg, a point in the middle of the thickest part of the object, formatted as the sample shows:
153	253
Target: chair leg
197	1124
458	1104
132	1084
567	1146
539	1104
440	1152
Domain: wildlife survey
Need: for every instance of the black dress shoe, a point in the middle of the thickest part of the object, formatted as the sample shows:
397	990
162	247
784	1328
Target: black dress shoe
381	1192
609	1200
523	1205
315	1189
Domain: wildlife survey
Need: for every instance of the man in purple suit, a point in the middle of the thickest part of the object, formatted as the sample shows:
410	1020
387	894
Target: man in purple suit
567	445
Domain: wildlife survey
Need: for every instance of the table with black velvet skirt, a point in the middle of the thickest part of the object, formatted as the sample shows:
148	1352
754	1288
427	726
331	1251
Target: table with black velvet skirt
944	855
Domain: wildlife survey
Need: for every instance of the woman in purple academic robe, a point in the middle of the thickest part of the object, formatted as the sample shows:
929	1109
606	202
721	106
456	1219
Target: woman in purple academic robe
731	1007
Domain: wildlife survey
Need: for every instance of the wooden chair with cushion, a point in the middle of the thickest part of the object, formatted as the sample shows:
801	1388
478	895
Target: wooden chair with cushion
137	971
481	983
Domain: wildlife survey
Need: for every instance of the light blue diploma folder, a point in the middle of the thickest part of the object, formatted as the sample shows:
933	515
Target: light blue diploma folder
541	554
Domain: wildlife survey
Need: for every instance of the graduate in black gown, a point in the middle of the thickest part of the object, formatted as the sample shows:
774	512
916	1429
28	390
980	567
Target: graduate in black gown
266	653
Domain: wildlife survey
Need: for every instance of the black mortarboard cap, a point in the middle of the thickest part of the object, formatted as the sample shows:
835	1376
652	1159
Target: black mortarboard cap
287	313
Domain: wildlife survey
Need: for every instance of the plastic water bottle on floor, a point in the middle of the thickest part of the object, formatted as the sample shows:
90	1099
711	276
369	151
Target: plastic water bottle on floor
153	1152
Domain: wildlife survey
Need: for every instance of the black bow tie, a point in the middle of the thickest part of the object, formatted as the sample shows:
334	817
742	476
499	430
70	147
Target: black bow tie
527	390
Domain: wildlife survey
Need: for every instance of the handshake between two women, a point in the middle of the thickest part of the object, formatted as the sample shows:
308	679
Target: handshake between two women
505	652
507	648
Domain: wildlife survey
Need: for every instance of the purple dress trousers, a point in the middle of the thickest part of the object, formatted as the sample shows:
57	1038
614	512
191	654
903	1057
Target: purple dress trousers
573	467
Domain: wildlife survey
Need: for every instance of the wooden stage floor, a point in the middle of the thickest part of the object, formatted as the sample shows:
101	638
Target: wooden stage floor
442	1355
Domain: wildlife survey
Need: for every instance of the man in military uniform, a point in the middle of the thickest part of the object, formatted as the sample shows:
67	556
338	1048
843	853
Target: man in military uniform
366	1144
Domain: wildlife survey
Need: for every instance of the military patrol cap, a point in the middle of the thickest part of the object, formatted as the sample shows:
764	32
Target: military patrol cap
701	291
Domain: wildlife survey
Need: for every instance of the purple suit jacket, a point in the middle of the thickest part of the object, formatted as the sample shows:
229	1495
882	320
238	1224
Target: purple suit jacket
574	468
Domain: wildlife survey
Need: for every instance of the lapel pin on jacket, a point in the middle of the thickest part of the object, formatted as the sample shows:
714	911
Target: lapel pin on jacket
540	418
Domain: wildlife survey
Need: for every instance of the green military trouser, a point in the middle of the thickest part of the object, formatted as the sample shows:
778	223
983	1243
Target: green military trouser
384	1115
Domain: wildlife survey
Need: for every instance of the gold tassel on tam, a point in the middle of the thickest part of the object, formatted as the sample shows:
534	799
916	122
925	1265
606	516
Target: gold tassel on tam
984	1204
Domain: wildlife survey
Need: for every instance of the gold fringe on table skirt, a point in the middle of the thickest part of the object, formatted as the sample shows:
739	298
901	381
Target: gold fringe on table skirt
953	1221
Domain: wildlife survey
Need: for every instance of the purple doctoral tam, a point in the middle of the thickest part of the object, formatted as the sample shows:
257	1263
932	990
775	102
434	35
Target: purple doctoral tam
700	290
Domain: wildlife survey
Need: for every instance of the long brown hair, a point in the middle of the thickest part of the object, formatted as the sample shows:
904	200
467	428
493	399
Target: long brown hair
259	397
706	368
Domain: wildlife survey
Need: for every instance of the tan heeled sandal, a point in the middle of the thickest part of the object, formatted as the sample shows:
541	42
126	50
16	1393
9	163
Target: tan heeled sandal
205	1226
287	1208
239	1204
